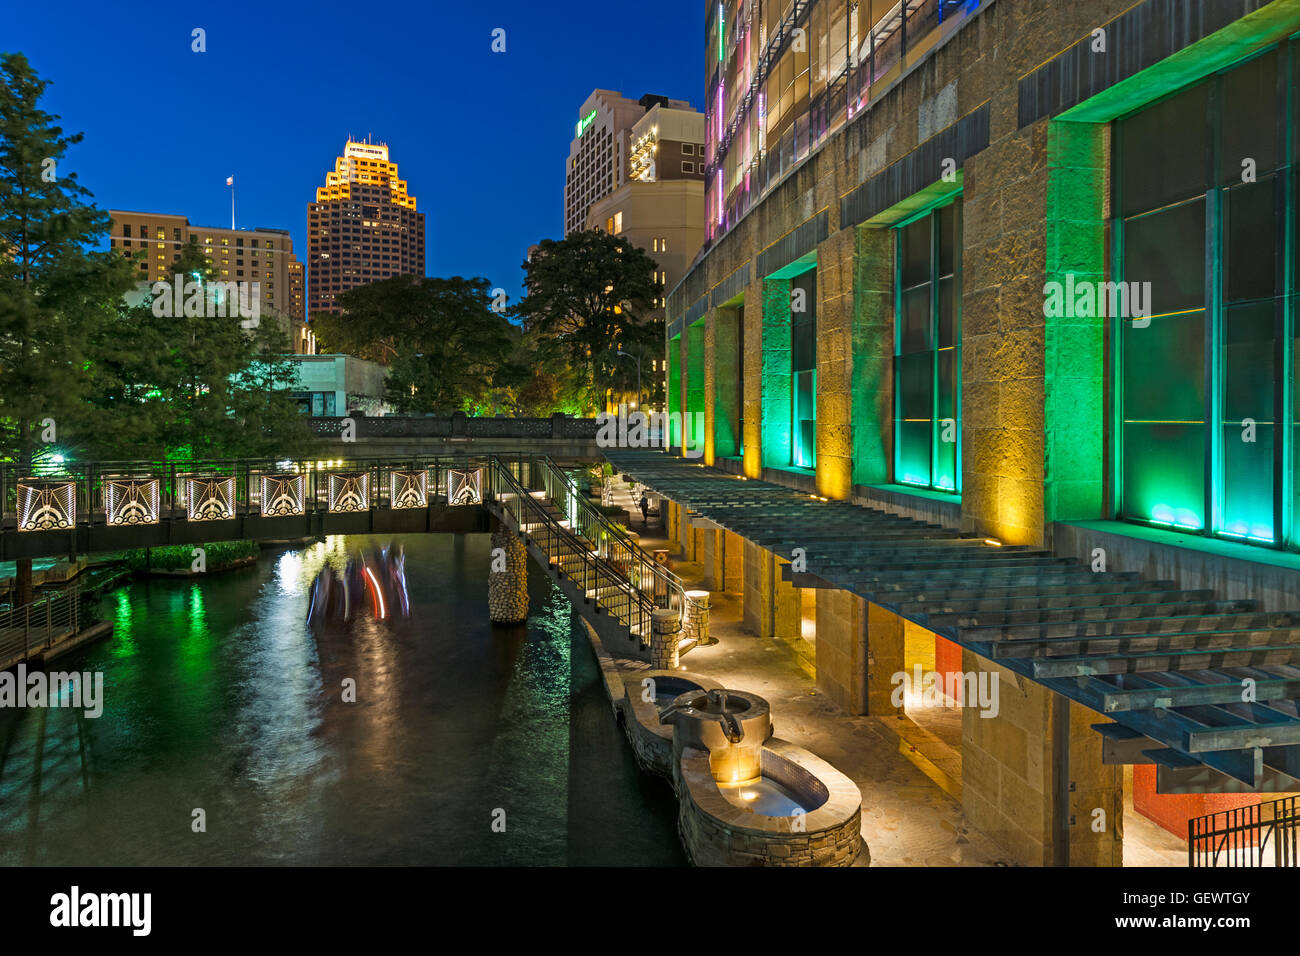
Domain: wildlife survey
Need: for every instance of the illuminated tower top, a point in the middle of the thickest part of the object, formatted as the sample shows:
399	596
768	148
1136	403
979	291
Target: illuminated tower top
364	164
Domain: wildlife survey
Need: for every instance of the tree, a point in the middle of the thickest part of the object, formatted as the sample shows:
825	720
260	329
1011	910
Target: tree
53	291
445	347
56	295
187	379
589	296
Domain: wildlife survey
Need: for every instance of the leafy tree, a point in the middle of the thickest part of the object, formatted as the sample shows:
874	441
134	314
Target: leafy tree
52	289
54	294
446	349
589	296
177	385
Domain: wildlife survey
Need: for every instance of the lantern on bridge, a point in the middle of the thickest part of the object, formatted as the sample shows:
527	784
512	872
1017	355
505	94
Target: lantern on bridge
349	491
209	499
131	501
408	489
465	487
283	495
46	505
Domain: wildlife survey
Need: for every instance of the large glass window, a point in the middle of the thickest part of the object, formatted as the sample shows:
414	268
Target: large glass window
803	368
1204	197
927	350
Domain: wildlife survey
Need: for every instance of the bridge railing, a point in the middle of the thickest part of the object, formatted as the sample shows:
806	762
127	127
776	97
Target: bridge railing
1263	834
92	487
663	587
456	426
32	628
506	486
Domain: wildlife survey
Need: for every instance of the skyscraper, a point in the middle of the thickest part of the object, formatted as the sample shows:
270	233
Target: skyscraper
363	226
601	151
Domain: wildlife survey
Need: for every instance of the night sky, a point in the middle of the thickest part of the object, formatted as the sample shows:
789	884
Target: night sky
480	137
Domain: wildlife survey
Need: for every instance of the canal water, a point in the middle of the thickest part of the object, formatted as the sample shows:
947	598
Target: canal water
218	697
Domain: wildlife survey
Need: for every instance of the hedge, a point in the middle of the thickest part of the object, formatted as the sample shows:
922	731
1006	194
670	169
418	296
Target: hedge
176	557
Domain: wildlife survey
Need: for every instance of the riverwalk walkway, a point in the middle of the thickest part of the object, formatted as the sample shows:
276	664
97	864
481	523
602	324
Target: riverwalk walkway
906	819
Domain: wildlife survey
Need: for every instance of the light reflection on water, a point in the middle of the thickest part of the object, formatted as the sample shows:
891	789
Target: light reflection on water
217	696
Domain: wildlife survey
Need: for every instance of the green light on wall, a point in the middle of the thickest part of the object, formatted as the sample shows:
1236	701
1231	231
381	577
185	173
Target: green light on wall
722	29
586	121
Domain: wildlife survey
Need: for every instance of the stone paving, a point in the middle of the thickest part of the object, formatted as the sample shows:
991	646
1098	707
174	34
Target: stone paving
906	819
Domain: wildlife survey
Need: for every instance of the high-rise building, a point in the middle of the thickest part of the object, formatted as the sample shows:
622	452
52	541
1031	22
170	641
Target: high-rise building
260	255
667	143
363	226
601	151
660	209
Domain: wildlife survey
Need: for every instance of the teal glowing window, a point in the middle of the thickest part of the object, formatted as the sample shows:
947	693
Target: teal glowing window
1206	413
927	350
803	369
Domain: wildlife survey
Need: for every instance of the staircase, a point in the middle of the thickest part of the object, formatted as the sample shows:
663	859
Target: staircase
595	562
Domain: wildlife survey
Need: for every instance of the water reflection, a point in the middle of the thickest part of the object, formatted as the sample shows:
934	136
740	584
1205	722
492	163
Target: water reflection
218	696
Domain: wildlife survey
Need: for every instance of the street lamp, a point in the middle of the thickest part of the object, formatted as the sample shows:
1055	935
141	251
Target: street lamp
638	374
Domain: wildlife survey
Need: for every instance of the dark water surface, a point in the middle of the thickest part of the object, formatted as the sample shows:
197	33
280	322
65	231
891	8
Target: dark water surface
217	696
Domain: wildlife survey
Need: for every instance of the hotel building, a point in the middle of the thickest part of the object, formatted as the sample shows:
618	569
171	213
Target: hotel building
660	209
601	155
260	255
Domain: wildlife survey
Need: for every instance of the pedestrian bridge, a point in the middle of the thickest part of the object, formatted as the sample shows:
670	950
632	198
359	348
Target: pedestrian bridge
115	506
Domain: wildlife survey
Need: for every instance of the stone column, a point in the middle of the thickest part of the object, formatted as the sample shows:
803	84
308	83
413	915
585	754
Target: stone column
787	603
886	653
734	562
842	648
757	593
711	559
697	617
665	632
1032	774
508	588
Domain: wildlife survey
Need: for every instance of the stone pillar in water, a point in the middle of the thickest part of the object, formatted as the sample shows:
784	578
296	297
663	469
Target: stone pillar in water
508	589
665	632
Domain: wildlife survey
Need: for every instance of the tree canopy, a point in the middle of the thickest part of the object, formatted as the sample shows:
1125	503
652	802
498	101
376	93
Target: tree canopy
446	348
117	379
590	296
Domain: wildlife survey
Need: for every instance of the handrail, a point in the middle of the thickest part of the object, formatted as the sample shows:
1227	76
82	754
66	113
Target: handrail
33	627
668	587
1241	836
624	598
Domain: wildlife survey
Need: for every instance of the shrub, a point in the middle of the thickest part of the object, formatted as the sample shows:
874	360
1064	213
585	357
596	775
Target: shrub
177	557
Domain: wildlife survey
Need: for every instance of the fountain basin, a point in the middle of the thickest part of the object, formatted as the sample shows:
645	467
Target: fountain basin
812	812
652	742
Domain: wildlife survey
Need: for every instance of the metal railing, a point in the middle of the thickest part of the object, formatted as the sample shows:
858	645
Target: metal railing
90	480
1265	834
35	627
612	586
663	587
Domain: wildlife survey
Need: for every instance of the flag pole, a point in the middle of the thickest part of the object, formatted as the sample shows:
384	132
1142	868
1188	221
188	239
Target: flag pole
232	203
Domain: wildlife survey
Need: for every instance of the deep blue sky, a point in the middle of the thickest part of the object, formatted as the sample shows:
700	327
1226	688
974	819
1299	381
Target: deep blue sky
480	137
